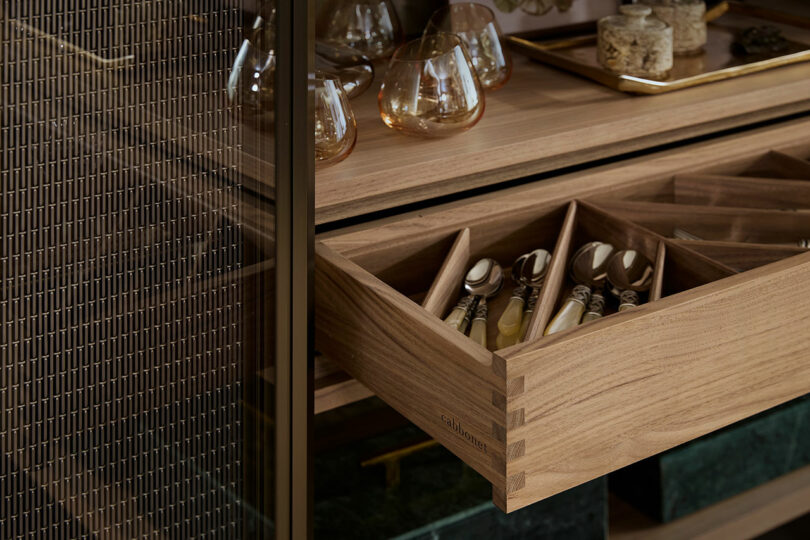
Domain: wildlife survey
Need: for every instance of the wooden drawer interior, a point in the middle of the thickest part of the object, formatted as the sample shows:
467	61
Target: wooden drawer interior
712	344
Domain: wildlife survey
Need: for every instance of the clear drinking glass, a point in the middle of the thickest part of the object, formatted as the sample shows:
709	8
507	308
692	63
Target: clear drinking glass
335	127
430	88
370	26
251	83
475	24
354	69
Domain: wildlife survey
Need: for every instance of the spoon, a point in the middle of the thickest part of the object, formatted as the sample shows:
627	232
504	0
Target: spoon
478	330
529	272
629	273
588	269
484	279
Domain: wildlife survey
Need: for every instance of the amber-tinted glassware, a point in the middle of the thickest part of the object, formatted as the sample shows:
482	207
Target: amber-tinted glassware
354	69
475	24
370	26
250	85
431	88
335	127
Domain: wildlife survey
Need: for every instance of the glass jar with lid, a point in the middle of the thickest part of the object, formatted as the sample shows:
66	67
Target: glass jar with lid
633	43
686	17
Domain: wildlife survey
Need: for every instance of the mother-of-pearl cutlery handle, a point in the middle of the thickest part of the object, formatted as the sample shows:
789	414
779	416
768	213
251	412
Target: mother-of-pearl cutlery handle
527	315
503	341
596	308
512	316
571	312
628	300
460	316
478	331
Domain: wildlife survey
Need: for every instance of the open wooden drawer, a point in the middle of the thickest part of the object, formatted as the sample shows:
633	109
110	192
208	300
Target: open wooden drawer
722	337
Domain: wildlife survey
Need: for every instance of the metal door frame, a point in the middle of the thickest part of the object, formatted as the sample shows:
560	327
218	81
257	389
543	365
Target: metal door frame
295	182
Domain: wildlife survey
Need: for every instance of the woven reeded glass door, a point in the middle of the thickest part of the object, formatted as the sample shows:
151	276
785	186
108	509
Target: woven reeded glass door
139	274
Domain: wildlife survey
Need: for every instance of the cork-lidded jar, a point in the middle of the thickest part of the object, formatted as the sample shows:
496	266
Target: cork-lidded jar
686	17
635	44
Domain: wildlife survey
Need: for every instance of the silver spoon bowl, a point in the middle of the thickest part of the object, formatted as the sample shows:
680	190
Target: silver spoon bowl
483	280
588	269
629	273
529	272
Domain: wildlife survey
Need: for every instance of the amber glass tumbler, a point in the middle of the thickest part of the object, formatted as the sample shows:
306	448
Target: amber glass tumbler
251	83
370	26
430	88
475	24
335	127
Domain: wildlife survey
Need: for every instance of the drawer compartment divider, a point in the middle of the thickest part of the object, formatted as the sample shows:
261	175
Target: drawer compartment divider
716	222
656	288
742	256
776	164
445	287
556	276
741	192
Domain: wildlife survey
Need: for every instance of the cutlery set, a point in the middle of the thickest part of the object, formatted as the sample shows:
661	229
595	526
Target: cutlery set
597	270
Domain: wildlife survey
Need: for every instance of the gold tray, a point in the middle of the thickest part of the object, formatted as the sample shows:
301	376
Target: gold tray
715	63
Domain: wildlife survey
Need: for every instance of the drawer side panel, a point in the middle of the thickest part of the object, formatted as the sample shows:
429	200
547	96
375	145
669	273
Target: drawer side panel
432	374
647	380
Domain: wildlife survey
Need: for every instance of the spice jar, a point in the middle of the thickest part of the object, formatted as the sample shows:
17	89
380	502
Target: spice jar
635	44
686	17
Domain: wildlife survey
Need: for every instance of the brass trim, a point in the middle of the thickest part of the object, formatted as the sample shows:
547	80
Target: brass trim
547	52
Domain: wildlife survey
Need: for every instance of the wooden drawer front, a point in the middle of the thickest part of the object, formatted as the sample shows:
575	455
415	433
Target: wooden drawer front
719	338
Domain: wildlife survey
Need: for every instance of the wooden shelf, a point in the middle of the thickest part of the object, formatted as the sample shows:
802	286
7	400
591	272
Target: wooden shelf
543	119
747	515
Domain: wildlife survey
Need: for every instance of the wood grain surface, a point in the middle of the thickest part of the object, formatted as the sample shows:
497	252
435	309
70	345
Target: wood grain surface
542	120
431	373
550	293
645	380
388	247
370	244
742	256
445	288
716	223
658	275
779	165
741	192
744	516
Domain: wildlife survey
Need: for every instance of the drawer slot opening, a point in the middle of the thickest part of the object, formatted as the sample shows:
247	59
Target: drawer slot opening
741	256
741	192
776	164
686	269
716	223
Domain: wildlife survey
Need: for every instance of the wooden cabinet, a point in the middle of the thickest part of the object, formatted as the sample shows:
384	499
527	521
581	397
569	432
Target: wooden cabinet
722	337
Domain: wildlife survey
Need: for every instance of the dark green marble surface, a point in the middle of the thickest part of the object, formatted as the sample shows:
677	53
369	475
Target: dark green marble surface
438	497
579	514
720	465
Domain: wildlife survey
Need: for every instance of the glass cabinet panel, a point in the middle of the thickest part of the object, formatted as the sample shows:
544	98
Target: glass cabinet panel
139	261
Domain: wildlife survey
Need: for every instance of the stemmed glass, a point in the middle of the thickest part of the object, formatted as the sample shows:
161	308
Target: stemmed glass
370	26
335	126
475	24
431	88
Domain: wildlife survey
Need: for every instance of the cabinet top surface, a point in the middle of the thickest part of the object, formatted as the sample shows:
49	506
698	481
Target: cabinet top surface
542	120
